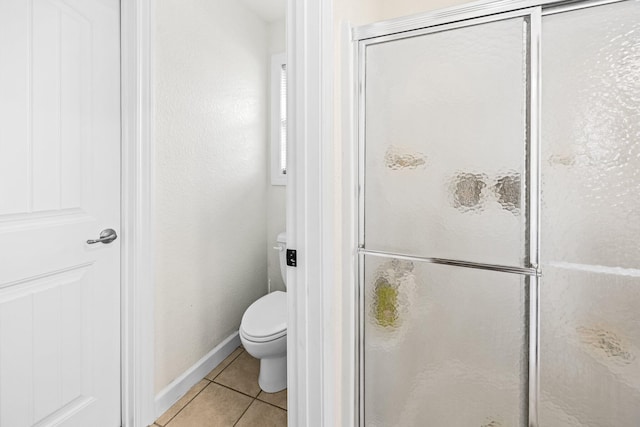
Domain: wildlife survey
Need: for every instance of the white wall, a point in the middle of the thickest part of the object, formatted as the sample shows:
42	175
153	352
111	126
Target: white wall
361	12
276	194
395	9
211	176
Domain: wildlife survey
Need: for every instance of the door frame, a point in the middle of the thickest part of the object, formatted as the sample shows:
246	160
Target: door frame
313	336
137	183
309	26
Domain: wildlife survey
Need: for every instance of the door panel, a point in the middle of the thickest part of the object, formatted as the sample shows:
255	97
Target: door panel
590	222
444	167
444	346
61	103
59	186
445	146
590	364
591	128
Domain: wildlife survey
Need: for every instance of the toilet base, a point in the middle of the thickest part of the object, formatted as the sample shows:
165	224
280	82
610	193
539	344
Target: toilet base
273	374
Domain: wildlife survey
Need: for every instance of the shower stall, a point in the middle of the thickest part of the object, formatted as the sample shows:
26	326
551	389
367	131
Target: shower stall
499	216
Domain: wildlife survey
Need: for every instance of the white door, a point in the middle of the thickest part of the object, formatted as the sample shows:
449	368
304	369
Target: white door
59	187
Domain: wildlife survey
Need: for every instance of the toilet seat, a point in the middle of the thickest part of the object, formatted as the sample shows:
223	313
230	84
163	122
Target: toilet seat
266	319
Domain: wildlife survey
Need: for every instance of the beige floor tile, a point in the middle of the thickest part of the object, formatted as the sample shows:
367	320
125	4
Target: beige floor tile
278	399
242	375
214	406
171	412
214	373
262	414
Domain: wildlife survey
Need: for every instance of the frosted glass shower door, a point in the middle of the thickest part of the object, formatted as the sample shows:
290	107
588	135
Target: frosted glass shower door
444	346
445	144
590	223
444	264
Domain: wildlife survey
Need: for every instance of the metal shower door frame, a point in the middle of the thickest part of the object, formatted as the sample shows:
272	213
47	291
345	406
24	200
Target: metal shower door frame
449	19
530	271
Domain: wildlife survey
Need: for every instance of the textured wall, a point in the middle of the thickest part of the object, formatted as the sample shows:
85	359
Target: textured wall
395	9
361	12
276	194
211	176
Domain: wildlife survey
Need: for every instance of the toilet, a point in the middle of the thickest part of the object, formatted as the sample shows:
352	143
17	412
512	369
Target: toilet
263	331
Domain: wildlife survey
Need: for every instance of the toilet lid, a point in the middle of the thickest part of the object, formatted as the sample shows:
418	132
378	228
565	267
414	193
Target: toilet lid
266	319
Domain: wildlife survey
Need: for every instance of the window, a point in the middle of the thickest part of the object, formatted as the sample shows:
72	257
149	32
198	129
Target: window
279	119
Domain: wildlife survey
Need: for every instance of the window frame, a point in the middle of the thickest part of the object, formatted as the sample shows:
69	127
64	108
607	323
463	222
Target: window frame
278	177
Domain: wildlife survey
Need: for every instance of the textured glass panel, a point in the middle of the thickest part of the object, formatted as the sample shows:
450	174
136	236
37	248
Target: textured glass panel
590	349
591	135
590	158
445	144
443	346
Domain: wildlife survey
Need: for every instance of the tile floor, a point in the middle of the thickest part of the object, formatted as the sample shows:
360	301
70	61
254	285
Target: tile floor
228	396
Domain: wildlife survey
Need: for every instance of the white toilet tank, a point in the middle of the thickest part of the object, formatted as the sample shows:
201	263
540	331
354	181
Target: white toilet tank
282	243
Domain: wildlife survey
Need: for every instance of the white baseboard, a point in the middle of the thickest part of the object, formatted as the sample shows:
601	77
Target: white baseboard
179	387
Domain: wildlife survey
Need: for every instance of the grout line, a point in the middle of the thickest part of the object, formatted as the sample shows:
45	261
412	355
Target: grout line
185	405
225	368
229	364
269	403
237	391
254	398
248	395
244	412
210	381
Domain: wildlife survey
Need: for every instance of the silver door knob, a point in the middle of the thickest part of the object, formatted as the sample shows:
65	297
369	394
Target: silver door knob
107	236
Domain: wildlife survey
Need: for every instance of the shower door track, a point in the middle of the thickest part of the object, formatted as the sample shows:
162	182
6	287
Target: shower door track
459	14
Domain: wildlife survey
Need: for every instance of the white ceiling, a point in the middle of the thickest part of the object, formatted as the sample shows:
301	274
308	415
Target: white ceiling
269	10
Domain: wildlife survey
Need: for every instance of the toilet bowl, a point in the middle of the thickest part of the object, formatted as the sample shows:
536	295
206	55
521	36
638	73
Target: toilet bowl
263	332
